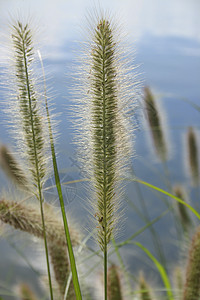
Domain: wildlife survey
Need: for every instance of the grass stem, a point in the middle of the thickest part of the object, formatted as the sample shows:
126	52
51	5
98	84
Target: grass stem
105	273
59	189
39	184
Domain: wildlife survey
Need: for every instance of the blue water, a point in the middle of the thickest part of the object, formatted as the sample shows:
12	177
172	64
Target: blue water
167	45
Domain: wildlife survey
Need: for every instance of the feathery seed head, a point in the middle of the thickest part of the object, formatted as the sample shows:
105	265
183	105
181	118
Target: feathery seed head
25	108
25	293
155	126
145	293
183	212
28	219
192	155
103	127
114	285
12	168
192	282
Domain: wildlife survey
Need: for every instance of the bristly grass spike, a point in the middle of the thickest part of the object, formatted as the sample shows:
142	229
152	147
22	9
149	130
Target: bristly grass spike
103	129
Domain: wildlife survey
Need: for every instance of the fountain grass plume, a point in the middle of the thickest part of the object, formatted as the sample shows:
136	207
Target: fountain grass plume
179	192
25	108
192	281
103	125
12	168
27	117
28	219
103	128
145	293
154	121
61	265
25	293
114	285
192	155
32	126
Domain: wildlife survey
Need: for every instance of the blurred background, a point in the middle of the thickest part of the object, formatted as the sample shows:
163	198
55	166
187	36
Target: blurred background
165	38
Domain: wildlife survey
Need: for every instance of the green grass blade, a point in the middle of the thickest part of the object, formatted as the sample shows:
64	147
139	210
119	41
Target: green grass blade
123	267
59	189
142	229
22	256
160	268
193	104
83	243
146	217
170	195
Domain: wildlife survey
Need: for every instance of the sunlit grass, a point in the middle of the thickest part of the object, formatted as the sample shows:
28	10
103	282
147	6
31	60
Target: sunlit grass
103	134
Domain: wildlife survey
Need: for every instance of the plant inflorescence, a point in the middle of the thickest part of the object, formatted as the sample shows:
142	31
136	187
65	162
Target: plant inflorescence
104	133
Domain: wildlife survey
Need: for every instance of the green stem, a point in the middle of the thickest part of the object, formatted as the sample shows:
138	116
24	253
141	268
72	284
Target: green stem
59	189
46	248
105	272
128	283
38	176
161	270
105	182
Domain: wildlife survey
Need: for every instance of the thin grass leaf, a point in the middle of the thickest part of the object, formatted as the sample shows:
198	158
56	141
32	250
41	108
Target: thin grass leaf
160	268
127	241
178	280
59	189
170	195
23	257
194	105
145	216
128	282
82	245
